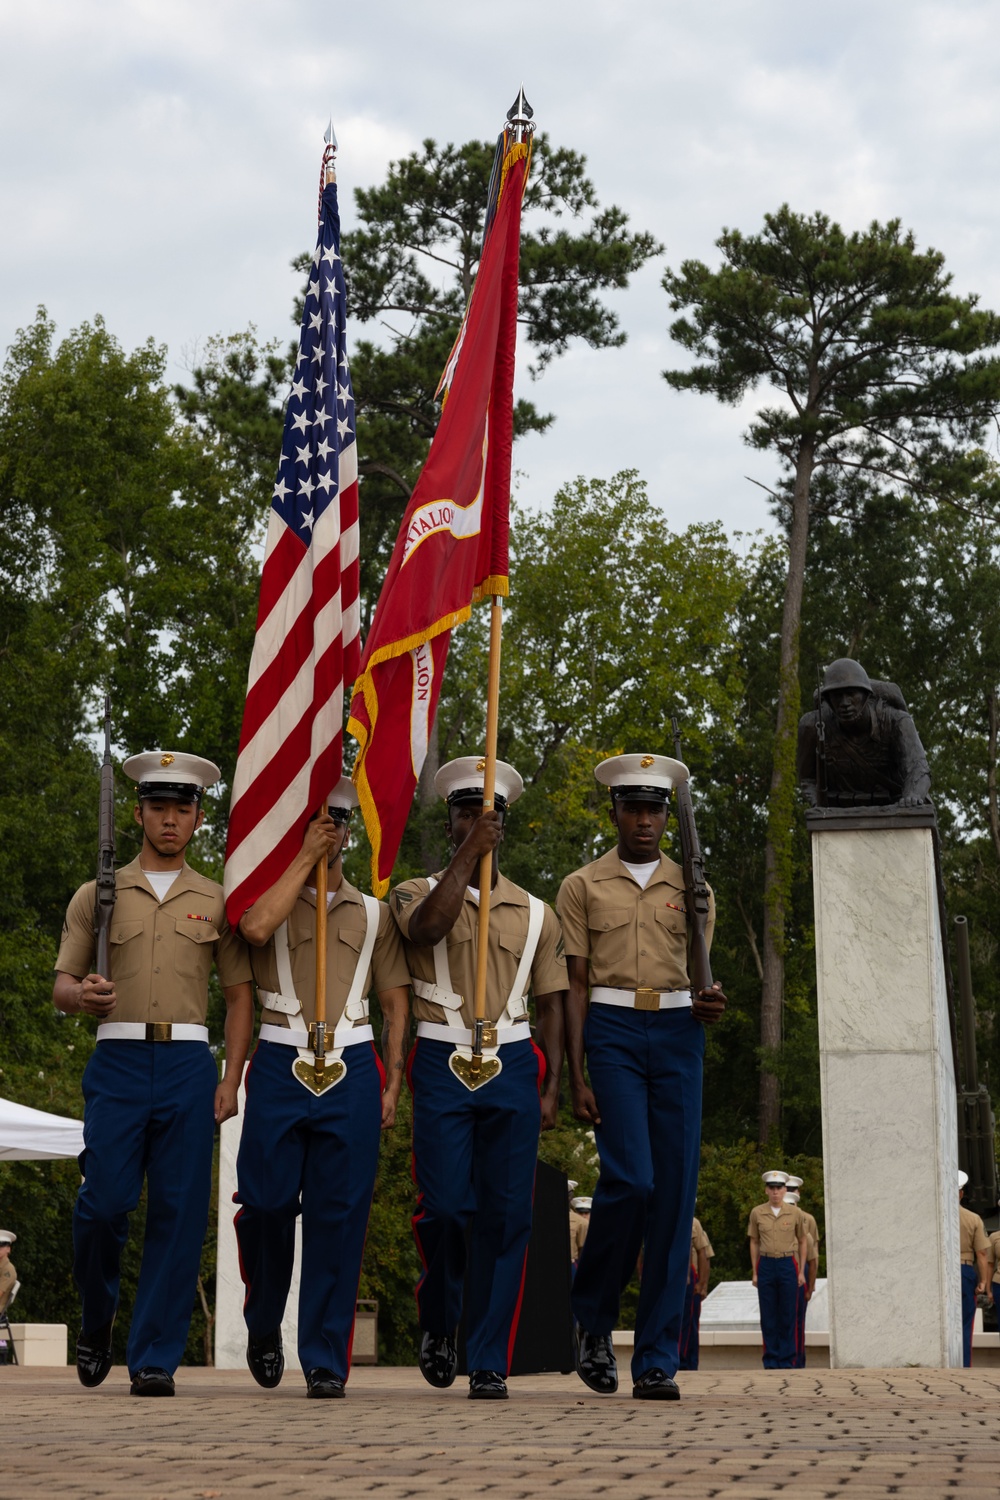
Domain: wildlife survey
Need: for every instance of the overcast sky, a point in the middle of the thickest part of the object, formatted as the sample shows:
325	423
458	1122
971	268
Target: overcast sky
160	164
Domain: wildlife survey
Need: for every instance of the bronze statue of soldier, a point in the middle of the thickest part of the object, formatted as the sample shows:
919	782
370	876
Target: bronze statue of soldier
859	747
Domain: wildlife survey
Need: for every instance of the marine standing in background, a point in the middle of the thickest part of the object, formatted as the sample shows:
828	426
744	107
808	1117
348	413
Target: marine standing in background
315	1153
794	1197
694	1296
973	1245
579	1223
8	1271
630	1014
778	1251
993	1266
475	1148
151	1088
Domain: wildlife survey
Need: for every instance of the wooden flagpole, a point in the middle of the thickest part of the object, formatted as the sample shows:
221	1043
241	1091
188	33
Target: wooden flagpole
319	1029
519	116
486	863
319	1032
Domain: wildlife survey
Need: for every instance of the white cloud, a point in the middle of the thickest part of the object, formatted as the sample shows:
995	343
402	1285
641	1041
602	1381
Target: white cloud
161	163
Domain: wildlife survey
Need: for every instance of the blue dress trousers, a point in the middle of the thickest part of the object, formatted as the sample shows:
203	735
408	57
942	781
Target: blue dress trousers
474	1154
314	1154
149	1110
646	1073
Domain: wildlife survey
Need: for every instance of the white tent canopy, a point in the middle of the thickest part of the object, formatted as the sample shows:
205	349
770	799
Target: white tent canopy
31	1135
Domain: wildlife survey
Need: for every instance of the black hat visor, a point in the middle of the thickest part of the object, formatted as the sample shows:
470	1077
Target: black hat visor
171	791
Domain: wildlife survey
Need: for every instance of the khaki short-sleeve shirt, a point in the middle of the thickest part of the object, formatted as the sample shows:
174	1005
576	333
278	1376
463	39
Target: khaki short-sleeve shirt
346	927
971	1235
776	1234
508	934
161	951
8	1276
699	1242
578	1226
812	1234
631	937
993	1254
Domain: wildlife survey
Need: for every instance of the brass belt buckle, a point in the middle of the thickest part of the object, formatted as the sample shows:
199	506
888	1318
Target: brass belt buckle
489	1036
158	1031
647	999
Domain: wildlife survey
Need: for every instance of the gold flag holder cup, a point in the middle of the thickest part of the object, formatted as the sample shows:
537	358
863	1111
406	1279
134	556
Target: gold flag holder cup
318	1074
473	1072
313	1068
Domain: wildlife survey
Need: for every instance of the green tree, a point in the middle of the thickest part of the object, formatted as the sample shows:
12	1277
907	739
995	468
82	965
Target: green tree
124	567
141	542
879	371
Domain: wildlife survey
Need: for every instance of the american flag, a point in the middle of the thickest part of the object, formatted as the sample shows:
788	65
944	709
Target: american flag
306	647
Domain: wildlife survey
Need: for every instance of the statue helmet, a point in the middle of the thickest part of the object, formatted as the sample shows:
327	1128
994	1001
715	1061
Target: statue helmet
845	673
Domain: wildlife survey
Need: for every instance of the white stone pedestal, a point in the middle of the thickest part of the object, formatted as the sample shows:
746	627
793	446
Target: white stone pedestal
40	1343
230	1329
890	1145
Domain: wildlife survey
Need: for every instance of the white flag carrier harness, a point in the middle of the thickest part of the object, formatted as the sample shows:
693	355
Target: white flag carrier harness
511	1025
285	1000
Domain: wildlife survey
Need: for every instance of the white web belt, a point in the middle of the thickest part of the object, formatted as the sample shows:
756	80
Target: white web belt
505	1034
151	1031
641	999
343	1036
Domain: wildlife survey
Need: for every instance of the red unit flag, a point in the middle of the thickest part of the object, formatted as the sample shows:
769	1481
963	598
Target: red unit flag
452	542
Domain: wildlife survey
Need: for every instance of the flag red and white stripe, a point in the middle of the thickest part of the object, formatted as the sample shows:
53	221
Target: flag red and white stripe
308	620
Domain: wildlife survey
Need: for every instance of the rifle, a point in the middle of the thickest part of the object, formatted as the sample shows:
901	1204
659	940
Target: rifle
699	968
104	899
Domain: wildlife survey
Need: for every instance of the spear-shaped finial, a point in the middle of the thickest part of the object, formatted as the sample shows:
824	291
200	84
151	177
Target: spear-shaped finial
328	170
520	115
330	154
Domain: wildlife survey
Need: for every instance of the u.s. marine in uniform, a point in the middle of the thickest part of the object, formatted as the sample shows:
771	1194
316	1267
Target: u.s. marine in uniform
579	1223
630	1012
696	1292
778	1251
308	1152
973	1246
474	1149
993	1267
151	1088
793	1196
8	1271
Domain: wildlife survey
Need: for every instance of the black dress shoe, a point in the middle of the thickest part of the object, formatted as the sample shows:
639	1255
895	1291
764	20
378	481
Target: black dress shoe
487	1385
152	1382
656	1385
93	1355
439	1359
595	1360
266	1359
324	1385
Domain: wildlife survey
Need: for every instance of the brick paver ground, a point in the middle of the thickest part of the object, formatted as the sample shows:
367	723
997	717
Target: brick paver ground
735	1435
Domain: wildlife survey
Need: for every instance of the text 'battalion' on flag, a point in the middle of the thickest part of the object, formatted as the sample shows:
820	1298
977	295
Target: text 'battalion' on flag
307	642
452	542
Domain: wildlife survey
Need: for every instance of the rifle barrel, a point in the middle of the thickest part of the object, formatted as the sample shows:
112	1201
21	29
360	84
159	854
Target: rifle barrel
104	899
695	887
